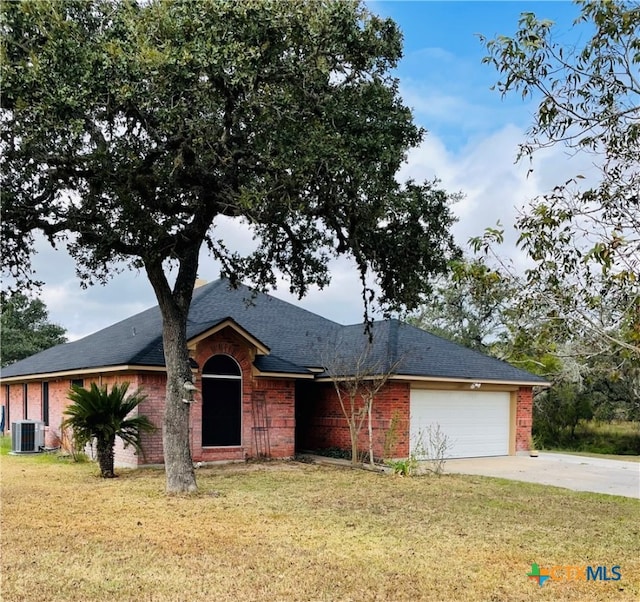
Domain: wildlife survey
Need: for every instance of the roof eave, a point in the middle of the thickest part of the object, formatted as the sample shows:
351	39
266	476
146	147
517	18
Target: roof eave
482	381
82	372
445	379
297	375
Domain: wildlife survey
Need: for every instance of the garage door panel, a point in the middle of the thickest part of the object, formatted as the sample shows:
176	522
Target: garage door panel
476	423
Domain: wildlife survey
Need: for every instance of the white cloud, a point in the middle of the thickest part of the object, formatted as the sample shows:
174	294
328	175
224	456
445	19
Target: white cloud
484	171
432	105
84	310
495	187
341	301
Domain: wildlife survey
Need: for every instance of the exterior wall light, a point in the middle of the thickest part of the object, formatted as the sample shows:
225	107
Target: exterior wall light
190	390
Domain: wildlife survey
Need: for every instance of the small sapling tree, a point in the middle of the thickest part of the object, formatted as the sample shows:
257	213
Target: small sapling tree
358	374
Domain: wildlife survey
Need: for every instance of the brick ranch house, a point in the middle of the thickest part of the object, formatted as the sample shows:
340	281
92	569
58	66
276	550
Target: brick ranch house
263	391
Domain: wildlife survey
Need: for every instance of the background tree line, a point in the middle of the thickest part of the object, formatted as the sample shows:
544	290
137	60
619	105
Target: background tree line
481	308
25	328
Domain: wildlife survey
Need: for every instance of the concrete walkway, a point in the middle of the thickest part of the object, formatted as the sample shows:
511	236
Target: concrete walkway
580	473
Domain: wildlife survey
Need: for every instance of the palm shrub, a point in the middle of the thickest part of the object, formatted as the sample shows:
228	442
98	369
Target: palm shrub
103	416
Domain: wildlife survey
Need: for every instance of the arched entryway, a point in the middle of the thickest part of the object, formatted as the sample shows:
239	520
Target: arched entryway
221	402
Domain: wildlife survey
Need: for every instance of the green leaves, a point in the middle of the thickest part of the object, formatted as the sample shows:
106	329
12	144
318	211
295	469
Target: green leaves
473	306
583	233
25	328
133	126
98	414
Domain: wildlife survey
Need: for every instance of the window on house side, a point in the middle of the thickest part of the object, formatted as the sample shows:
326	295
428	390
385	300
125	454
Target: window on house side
45	403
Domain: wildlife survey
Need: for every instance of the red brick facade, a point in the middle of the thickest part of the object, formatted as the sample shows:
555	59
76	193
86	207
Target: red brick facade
325	424
524	418
279	415
58	390
268	406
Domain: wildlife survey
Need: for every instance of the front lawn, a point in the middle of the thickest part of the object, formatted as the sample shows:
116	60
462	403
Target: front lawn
293	531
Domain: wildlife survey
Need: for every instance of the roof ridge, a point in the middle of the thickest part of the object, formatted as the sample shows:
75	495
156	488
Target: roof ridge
255	292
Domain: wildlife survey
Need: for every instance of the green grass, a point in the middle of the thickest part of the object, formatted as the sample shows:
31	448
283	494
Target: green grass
294	531
607	438
53	457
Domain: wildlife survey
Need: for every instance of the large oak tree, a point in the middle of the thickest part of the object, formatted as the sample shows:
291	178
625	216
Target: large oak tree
129	129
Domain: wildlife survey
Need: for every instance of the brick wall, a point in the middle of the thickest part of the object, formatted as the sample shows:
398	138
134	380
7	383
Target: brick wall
226	342
34	404
279	397
59	400
324	424
16	411
154	385
524	418
311	408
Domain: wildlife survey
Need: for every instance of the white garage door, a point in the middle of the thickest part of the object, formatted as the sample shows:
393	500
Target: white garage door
476	423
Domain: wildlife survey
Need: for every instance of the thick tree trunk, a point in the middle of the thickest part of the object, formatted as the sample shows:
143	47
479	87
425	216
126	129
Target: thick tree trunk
174	306
175	430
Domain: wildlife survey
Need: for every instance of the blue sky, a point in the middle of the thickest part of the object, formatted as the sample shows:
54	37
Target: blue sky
472	141
442	75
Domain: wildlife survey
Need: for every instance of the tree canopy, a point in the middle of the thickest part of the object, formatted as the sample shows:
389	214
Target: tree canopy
470	305
134	126
584	234
479	306
25	328
131	128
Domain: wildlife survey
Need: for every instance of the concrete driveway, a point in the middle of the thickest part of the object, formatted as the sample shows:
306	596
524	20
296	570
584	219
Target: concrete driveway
580	473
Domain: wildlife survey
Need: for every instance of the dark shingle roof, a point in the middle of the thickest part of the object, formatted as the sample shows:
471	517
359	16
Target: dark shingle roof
297	340
136	340
272	363
290	332
411	351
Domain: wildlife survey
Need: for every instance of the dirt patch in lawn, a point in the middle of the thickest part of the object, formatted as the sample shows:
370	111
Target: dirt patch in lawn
293	531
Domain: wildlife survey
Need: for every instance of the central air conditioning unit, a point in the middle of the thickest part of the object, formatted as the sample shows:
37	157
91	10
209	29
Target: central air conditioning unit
27	436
